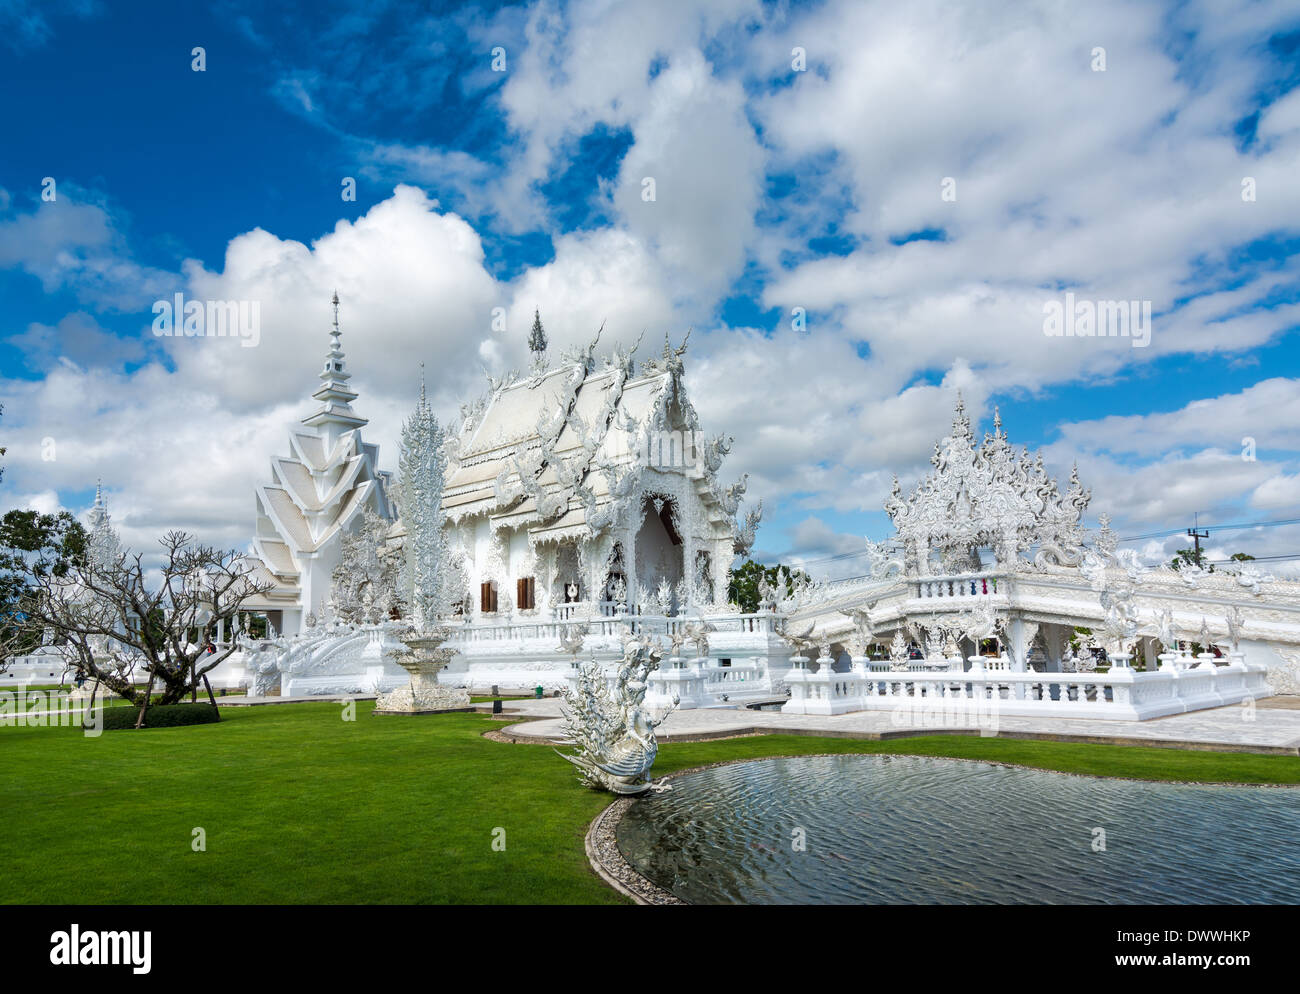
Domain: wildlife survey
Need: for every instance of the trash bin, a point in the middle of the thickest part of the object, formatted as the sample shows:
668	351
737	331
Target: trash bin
537	692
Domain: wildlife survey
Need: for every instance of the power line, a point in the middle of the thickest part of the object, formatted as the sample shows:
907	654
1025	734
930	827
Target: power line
1253	559
838	556
1236	526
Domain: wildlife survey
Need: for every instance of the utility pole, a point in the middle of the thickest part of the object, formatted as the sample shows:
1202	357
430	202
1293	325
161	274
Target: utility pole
1195	534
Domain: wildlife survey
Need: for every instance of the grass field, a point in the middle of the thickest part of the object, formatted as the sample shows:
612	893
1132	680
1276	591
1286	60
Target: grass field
299	806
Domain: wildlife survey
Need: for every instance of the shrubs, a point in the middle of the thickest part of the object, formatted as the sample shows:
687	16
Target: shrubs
161	716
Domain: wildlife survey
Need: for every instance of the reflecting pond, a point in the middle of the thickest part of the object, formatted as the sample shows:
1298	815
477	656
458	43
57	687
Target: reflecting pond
905	830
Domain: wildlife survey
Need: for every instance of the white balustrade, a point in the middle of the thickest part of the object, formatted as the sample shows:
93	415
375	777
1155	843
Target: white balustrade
606	625
963	586
681	679
1121	694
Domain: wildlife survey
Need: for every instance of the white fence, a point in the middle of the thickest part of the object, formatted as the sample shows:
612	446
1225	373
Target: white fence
703	683
1120	694
608	625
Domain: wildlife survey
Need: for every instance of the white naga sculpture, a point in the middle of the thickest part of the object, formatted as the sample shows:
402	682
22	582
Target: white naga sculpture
613	730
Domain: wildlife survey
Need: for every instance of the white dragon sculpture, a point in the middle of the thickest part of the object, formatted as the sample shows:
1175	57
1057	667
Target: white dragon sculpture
612	729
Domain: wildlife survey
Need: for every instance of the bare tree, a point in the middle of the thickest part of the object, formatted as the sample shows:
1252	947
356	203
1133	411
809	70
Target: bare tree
111	622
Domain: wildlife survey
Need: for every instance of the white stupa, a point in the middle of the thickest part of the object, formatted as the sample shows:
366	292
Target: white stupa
316	494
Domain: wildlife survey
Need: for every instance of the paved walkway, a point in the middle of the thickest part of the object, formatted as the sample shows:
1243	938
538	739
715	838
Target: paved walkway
246	701
1232	728
1272	727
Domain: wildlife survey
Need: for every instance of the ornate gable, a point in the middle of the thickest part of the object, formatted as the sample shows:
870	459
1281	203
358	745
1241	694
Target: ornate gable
989	495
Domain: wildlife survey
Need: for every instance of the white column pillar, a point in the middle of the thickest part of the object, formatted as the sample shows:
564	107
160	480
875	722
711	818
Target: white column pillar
634	592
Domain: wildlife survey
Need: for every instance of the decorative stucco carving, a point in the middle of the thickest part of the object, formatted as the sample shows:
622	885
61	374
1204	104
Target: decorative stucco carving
987	495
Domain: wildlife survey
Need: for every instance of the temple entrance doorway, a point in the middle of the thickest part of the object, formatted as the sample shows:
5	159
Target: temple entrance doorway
658	546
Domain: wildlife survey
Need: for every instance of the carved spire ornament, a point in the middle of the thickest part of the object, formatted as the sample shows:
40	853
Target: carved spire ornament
988	495
436	584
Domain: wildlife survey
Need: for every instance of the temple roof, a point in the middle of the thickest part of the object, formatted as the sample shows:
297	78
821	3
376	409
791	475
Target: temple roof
554	450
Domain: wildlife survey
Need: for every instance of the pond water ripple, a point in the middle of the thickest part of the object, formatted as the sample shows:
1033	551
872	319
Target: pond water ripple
907	830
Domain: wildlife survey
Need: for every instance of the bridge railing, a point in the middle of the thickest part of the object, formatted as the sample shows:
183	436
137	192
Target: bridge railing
960	586
1120	694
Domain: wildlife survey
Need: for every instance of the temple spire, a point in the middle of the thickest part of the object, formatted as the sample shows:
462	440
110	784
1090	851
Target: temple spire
960	423
537	337
335	414
335	364
102	543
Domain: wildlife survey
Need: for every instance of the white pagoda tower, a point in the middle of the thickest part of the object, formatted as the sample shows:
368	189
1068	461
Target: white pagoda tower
104	542
317	493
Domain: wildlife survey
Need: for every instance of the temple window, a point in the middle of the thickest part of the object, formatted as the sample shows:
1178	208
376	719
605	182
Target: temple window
487	603
525	593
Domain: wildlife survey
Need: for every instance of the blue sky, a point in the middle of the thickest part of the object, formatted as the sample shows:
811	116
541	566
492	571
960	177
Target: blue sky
777	189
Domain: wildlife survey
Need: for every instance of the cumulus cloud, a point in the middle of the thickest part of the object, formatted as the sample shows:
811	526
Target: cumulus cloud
1123	184
80	339
75	241
1266	414
1120	184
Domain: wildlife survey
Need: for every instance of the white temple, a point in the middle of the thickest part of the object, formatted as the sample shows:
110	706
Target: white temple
580	505
579	496
585	491
47	663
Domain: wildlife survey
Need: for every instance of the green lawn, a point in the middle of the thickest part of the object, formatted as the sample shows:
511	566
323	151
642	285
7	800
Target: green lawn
302	807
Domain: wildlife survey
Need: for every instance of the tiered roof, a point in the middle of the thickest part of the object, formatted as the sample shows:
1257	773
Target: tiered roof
328	478
557	451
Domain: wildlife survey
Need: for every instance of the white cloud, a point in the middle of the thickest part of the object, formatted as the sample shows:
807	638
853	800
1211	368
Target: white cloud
1123	184
77	338
700	152
1118	184
1266	413
1280	491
